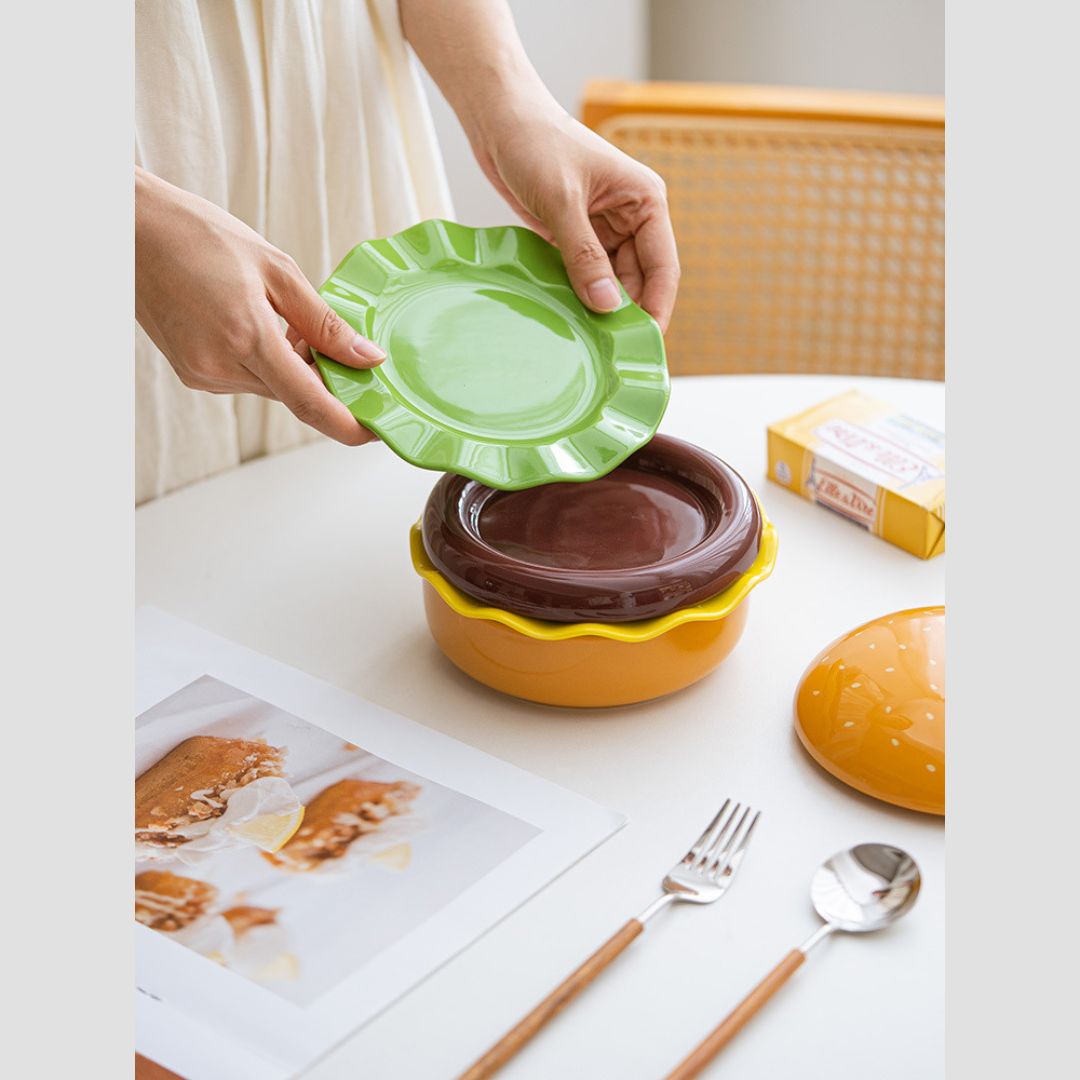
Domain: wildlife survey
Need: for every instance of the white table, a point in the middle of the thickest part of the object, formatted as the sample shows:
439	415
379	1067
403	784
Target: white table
304	557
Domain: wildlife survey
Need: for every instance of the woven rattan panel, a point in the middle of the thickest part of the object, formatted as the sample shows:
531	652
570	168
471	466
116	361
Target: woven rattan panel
806	246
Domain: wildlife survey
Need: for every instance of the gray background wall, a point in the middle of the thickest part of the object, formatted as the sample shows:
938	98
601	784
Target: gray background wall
891	45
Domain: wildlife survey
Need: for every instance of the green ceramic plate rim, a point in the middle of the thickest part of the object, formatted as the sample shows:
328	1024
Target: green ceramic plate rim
618	432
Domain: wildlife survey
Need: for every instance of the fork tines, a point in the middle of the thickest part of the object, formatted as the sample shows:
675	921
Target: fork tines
720	848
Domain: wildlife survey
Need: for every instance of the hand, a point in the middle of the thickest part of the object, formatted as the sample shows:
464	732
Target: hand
209	292
606	212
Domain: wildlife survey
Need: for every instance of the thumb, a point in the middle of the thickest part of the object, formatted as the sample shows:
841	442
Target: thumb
319	324
587	262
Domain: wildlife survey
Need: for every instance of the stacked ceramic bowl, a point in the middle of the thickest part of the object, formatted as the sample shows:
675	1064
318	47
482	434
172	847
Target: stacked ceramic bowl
615	591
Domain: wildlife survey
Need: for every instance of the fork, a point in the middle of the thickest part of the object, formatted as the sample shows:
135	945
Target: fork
701	876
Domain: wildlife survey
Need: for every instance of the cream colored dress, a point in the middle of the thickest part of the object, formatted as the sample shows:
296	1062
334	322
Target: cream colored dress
307	120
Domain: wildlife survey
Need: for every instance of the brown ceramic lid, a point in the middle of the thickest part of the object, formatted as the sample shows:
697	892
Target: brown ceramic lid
670	527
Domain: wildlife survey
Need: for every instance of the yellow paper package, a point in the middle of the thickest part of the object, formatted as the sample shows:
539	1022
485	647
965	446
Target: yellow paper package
864	459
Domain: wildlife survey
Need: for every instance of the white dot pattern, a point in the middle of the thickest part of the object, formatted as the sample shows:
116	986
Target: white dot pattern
894	740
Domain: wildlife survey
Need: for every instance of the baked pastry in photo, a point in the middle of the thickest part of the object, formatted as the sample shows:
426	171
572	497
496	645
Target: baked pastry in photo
169	902
260	948
208	793
179	908
244	917
338	817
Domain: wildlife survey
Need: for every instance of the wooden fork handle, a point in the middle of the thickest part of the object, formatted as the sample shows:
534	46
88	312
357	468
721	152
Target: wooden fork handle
554	1003
738	1017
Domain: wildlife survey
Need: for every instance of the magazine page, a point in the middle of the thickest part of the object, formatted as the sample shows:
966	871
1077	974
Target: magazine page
303	857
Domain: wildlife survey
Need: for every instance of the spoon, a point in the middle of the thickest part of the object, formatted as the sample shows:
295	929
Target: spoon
859	890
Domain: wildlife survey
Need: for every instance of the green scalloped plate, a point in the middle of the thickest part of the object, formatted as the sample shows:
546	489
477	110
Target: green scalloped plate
494	370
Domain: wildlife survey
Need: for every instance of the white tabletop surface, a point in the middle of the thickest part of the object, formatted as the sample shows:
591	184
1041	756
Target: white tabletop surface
303	557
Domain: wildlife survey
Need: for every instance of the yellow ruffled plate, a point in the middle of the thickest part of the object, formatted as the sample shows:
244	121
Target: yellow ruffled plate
717	607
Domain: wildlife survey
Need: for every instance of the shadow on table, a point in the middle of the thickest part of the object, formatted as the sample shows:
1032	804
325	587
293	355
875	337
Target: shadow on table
900	813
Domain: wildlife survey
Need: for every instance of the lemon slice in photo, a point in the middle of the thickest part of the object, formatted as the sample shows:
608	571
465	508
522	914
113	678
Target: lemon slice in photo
397	857
270	832
286	966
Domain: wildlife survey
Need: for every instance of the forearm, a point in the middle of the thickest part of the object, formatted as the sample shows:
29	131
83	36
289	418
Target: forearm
472	50
159	208
147	191
605	212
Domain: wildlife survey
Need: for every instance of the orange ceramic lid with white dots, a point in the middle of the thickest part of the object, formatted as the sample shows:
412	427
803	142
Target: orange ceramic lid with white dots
870	709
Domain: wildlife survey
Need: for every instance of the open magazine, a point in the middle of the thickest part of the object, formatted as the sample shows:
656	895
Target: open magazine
303	857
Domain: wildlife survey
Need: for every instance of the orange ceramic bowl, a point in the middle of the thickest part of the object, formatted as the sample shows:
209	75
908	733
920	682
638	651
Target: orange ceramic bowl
587	665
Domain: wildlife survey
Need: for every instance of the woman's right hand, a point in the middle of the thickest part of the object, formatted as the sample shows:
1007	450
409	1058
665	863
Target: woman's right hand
209	292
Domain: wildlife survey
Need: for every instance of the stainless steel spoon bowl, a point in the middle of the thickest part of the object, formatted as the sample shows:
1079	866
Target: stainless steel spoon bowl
859	890
863	889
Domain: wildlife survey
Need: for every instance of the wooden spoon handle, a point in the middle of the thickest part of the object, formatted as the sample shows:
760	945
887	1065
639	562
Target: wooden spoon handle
554	1003
737	1018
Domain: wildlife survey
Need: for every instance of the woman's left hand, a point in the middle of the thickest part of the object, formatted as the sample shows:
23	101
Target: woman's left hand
606	212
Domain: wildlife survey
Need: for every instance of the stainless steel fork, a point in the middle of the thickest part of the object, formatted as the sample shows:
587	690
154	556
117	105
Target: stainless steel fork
701	876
